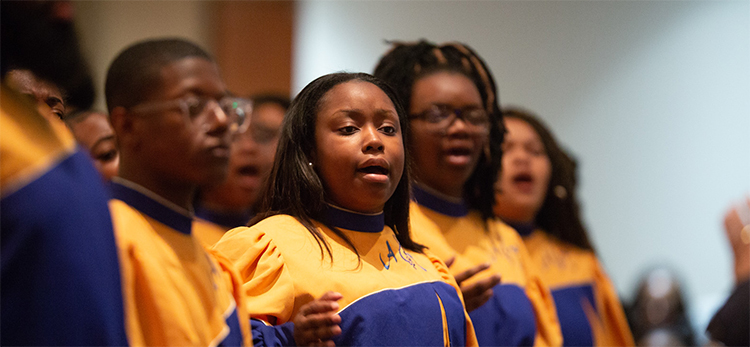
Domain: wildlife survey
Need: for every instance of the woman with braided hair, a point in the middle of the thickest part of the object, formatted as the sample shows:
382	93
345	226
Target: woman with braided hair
454	137
536	195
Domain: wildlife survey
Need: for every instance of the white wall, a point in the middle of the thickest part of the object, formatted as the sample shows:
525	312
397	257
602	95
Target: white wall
653	97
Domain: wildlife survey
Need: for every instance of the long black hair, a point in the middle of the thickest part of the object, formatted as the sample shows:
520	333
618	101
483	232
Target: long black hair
560	214
295	188
406	63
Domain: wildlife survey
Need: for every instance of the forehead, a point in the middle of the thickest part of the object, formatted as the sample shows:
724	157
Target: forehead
520	130
268	113
195	75
357	95
25	82
445	85
94	127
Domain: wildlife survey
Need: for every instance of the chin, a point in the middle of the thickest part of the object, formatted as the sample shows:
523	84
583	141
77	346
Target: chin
213	177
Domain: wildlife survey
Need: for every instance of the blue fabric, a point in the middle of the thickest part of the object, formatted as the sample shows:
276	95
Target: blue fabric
523	229
574	324
355	221
228	220
60	273
438	204
507	319
404	317
234	338
152	208
272	336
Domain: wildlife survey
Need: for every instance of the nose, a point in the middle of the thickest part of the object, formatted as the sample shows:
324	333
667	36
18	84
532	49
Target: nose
458	127
217	121
518	156
245	143
372	141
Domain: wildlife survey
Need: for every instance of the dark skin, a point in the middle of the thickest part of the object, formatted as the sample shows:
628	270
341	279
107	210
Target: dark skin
442	169
317	321
171	156
165	152
475	294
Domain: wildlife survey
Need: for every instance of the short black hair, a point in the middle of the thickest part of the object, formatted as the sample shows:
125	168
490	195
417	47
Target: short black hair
32	39
295	188
406	63
134	74
560	214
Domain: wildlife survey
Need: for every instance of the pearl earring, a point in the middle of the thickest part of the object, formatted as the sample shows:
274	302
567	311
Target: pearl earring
561	192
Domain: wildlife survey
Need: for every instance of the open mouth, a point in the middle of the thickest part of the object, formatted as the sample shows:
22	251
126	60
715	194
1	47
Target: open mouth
248	170
378	170
459	151
523	178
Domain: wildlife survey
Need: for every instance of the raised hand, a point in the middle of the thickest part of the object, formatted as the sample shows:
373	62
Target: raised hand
317	321
477	293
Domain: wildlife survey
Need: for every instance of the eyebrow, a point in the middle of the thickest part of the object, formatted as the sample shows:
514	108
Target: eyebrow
356	111
53	100
109	137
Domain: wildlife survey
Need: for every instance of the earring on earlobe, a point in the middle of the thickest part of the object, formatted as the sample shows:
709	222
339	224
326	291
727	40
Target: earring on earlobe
560	192
310	163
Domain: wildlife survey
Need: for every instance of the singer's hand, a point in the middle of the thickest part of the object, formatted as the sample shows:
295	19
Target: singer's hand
737	228
477	293
317	321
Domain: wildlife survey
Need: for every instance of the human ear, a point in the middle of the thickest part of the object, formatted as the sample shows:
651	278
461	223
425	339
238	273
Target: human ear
124	126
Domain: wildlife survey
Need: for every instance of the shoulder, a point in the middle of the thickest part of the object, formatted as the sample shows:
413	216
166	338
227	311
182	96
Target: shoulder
30	143
544	240
207	232
280	227
272	235
505	231
126	220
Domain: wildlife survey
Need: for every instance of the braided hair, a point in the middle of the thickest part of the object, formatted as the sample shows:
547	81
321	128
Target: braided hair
405	63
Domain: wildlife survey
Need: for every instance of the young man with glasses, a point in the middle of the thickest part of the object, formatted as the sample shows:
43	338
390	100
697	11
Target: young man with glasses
174	123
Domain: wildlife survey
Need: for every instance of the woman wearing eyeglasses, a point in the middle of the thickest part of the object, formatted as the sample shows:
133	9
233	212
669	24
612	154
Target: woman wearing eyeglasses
455	139
223	206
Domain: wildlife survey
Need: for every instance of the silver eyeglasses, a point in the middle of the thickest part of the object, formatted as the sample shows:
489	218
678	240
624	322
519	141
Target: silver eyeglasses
194	108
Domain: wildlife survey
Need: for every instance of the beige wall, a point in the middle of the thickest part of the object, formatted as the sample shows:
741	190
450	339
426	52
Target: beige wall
251	40
106	27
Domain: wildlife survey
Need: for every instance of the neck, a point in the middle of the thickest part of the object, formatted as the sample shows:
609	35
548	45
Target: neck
180	194
454	194
514	215
215	204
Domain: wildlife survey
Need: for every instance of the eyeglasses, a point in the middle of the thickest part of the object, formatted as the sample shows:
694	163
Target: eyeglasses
443	116
194	108
260	133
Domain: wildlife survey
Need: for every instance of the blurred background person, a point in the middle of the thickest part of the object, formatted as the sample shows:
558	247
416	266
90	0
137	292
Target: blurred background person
231	203
454	136
731	324
48	96
658	315
93	131
536	194
60	277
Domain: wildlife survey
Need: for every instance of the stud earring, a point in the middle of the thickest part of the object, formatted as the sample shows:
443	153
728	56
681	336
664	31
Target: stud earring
310	163
560	192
